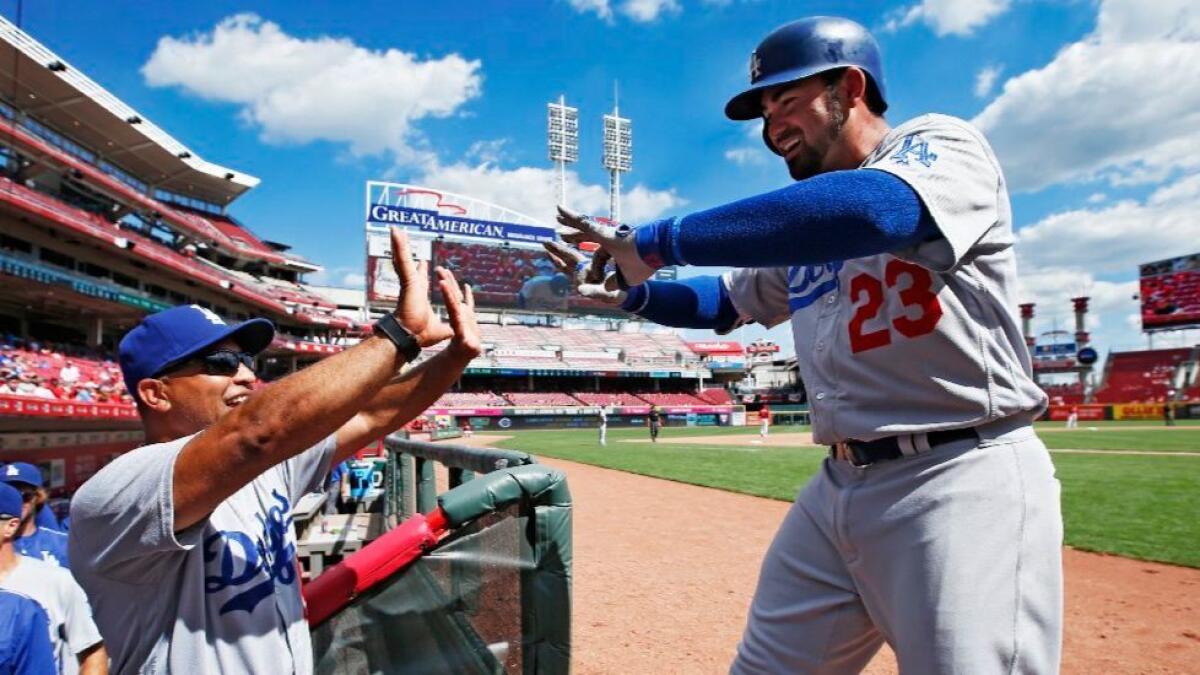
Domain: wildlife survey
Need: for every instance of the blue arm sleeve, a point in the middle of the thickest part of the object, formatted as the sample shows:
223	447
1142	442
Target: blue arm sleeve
830	217
699	302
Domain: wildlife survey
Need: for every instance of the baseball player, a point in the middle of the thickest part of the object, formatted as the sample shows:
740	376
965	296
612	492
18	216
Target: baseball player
34	539
603	426
654	420
934	524
764	421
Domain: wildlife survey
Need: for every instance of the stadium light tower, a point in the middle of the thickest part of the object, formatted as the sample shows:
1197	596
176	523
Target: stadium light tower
618	155
562	133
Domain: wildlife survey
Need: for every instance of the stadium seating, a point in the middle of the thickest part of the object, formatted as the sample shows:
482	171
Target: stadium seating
661	398
1142	376
469	399
716	396
1064	394
609	398
530	398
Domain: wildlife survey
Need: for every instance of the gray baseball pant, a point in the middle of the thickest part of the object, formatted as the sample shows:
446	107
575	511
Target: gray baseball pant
953	557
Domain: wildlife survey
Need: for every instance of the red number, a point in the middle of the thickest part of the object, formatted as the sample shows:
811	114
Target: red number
859	341
919	293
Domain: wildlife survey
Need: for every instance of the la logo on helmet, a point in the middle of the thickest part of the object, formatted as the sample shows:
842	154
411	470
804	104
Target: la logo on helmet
755	67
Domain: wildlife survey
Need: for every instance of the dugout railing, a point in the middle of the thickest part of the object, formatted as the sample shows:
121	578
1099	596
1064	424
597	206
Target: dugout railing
476	579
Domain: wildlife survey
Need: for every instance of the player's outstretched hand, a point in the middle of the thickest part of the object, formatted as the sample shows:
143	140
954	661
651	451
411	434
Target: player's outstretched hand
618	241
460	305
413	310
589	278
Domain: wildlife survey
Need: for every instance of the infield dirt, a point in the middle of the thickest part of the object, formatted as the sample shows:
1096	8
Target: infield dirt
664	572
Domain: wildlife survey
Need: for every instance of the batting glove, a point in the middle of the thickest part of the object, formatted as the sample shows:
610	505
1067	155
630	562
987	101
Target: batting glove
620	242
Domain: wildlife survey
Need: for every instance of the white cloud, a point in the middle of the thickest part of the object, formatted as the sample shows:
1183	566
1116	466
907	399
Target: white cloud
534	191
600	8
640	11
344	277
298	90
985	79
645	11
1116	238
1063	256
1097	197
753	152
948	17
747	156
1123	104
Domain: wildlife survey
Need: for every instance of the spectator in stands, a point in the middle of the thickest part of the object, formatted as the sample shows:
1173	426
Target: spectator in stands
202	510
74	643
68	374
41	543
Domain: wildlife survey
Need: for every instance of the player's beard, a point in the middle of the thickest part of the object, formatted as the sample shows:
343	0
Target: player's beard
810	161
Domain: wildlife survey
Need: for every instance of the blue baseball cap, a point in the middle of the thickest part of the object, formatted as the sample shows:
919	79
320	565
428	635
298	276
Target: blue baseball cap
22	472
170	337
10	502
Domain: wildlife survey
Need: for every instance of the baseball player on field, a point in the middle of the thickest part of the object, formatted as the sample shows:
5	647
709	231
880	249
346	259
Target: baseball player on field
934	524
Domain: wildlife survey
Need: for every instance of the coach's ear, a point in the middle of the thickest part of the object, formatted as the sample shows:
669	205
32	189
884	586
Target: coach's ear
153	395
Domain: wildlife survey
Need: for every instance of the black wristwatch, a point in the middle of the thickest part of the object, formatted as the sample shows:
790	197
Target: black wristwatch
391	329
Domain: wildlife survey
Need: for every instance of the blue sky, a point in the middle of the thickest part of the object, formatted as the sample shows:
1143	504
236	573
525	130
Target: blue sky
1091	106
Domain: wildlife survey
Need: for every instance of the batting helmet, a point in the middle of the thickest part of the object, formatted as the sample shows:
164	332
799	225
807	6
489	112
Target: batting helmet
802	48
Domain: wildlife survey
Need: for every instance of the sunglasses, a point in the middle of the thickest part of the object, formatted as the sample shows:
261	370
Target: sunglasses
224	362
28	493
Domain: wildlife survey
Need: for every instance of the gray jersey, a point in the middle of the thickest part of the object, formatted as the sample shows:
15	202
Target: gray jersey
919	339
221	596
71	627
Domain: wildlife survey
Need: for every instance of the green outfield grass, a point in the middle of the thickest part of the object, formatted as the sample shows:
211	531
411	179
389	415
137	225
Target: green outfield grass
1145	507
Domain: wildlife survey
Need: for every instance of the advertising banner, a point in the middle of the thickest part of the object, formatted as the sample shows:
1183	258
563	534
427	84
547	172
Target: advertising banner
1138	411
1092	413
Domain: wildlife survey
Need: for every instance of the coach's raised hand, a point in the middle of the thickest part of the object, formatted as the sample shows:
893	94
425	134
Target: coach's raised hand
619	241
413	310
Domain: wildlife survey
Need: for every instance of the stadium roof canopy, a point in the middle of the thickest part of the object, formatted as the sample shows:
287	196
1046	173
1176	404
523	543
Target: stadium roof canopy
43	85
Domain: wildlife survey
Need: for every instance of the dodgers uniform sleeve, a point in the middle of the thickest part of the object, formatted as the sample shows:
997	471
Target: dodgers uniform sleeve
698	302
306	471
831	217
123	518
950	166
759	294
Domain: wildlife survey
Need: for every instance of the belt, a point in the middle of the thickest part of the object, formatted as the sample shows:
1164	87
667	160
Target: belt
866	453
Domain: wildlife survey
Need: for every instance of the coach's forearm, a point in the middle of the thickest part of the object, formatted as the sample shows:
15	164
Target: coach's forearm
698	302
399	402
827	218
274	424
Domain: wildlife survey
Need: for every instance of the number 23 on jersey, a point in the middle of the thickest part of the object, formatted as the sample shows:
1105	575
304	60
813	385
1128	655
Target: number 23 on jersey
913	284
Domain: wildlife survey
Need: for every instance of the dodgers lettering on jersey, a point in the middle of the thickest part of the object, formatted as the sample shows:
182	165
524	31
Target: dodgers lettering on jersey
919	339
251	564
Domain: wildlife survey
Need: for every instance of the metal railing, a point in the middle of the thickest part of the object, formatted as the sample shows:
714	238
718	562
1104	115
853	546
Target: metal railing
411	485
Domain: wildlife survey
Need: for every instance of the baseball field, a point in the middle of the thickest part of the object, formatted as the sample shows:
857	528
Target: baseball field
664	569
